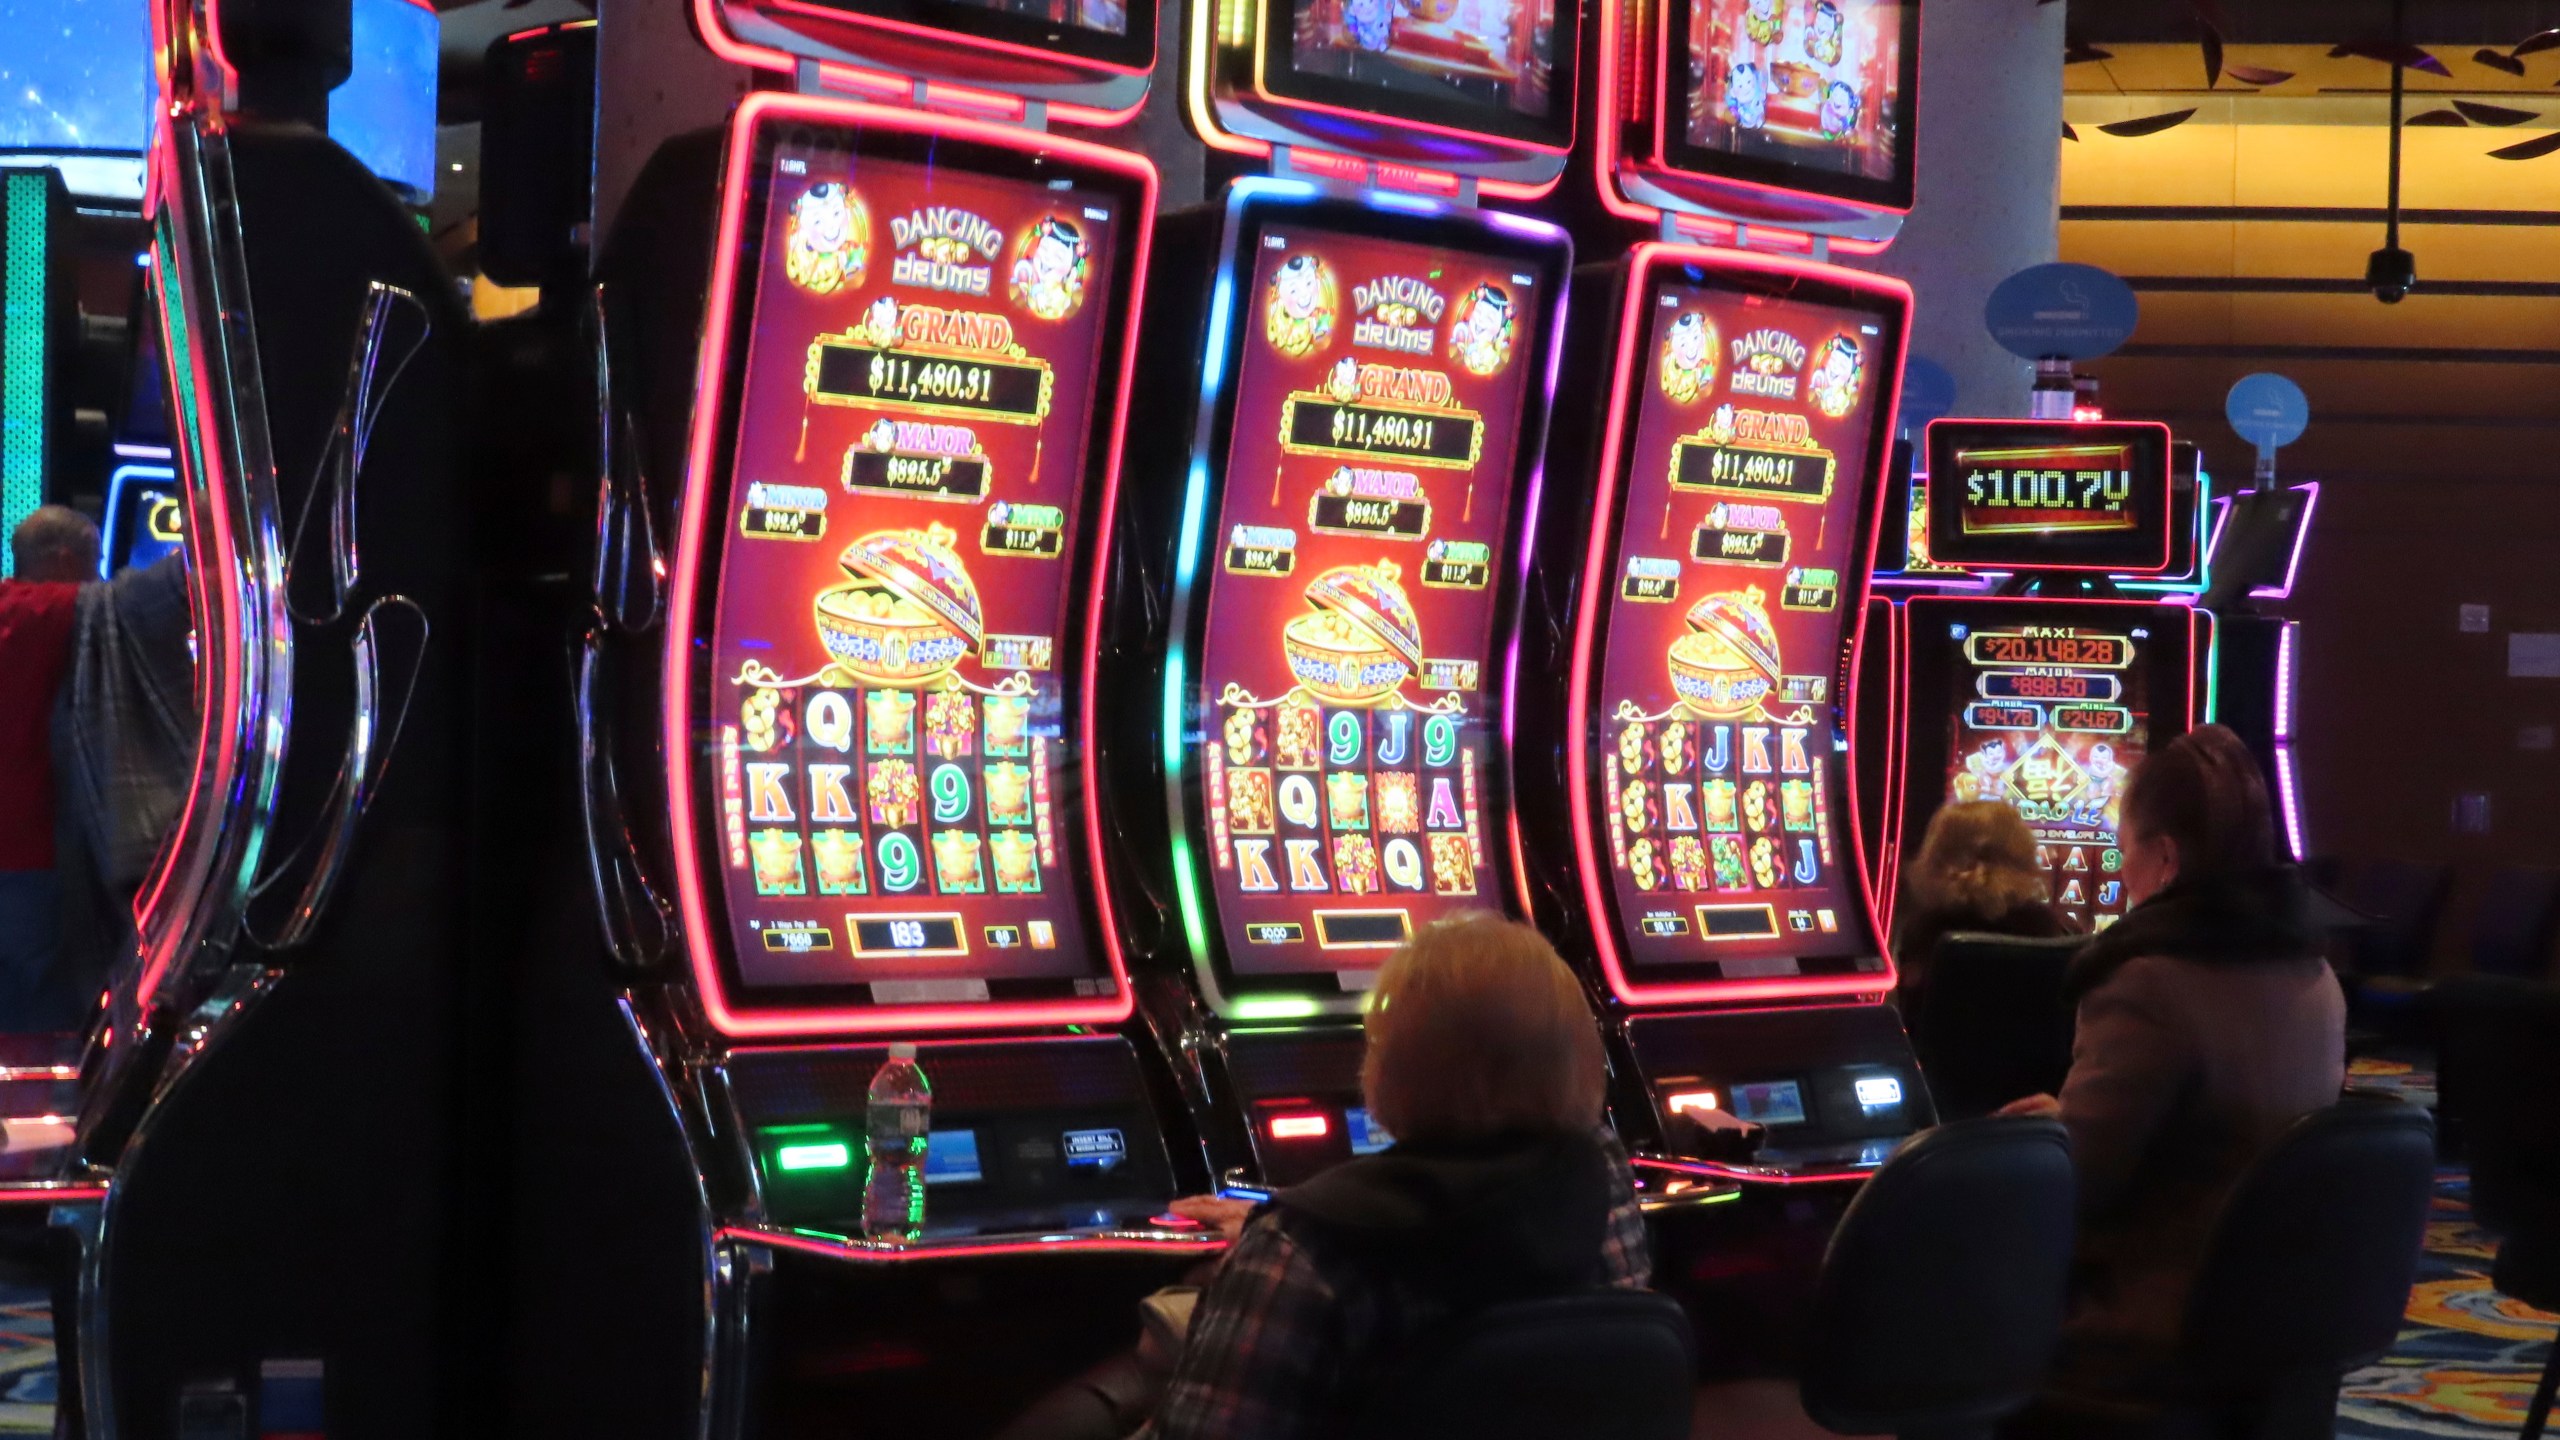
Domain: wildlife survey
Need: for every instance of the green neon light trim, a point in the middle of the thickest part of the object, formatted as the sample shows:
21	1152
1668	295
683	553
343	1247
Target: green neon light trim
24	353
1282	1007
834	1155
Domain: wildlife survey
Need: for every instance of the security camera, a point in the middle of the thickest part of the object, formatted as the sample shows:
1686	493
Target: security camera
2391	273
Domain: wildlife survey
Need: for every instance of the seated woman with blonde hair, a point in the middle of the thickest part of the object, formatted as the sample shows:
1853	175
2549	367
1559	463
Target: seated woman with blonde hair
1484	1061
1976	871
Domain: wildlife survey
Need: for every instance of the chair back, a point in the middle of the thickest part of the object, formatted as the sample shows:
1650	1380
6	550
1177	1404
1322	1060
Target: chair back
2405	900
1600	1365
1940	1301
2519	919
2308	1270
1994	1025
2498	1045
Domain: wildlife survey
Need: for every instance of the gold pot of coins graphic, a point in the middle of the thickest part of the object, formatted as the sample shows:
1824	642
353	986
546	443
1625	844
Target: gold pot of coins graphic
908	614
1361	641
1727	665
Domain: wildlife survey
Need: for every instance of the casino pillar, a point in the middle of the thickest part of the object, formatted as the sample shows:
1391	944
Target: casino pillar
1991	81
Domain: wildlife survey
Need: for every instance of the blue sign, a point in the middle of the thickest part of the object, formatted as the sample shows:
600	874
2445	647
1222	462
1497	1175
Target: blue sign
2076	312
2267	409
1928	391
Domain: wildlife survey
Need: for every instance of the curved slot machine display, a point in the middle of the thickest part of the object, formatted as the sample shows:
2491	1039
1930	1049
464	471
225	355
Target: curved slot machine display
1715	872
1341	510
873	703
2046	694
1696	806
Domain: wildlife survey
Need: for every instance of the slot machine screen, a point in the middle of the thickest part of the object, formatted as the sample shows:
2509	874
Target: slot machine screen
1348	779
1114	32
890	711
1502	67
1715	776
2049	709
146	517
1808	95
2048	495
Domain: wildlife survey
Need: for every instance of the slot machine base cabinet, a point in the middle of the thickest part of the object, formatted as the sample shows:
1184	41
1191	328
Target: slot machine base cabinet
1836	1089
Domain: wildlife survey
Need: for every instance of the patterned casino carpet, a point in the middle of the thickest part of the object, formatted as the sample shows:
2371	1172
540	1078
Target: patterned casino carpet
2468	1357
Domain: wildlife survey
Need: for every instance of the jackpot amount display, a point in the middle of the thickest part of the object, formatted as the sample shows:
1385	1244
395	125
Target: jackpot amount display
898	782
2051	721
1711	744
1347	649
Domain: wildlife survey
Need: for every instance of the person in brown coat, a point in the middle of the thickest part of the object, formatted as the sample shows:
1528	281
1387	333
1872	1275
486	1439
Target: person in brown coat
2208	1023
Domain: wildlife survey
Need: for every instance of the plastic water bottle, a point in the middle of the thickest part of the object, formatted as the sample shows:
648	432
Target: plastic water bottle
898	1125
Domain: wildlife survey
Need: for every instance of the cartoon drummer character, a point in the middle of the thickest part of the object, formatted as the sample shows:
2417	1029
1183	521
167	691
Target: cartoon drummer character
1049	273
1480	339
1746	95
1688	358
1839	373
1840	107
824	239
1298	315
1370	23
1763	19
1822	33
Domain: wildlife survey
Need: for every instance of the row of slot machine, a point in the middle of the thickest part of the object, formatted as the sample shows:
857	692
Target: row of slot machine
1093	639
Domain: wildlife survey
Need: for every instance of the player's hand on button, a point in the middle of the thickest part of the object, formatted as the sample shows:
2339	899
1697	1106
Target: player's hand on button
1226	1214
2032	1105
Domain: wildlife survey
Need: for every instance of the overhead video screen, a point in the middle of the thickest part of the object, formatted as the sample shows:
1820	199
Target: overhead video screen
1715	770
1351	662
1485	65
891	732
1804	94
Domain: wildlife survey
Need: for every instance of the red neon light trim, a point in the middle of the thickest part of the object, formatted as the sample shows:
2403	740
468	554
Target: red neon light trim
860	83
942	95
1640	264
675	721
2168	532
160	942
229	72
1300	1127
1333	165
1417	179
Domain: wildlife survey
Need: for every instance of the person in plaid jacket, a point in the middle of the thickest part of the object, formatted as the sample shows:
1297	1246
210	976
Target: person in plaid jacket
1485	1064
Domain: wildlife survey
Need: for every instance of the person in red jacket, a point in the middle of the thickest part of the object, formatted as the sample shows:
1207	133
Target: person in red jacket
53	551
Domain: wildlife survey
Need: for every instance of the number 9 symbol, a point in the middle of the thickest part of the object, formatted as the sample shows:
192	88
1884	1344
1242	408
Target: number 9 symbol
950	794
1342	736
1439	740
900	866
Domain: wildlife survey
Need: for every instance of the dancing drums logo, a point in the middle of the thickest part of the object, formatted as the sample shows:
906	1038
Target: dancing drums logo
1297	312
1482	332
1050	266
1689	358
826	239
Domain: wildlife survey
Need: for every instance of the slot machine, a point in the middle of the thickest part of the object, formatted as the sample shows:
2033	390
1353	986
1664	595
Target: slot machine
2046	691
863	722
2255	555
1906	569
1704	845
275	859
1346	482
